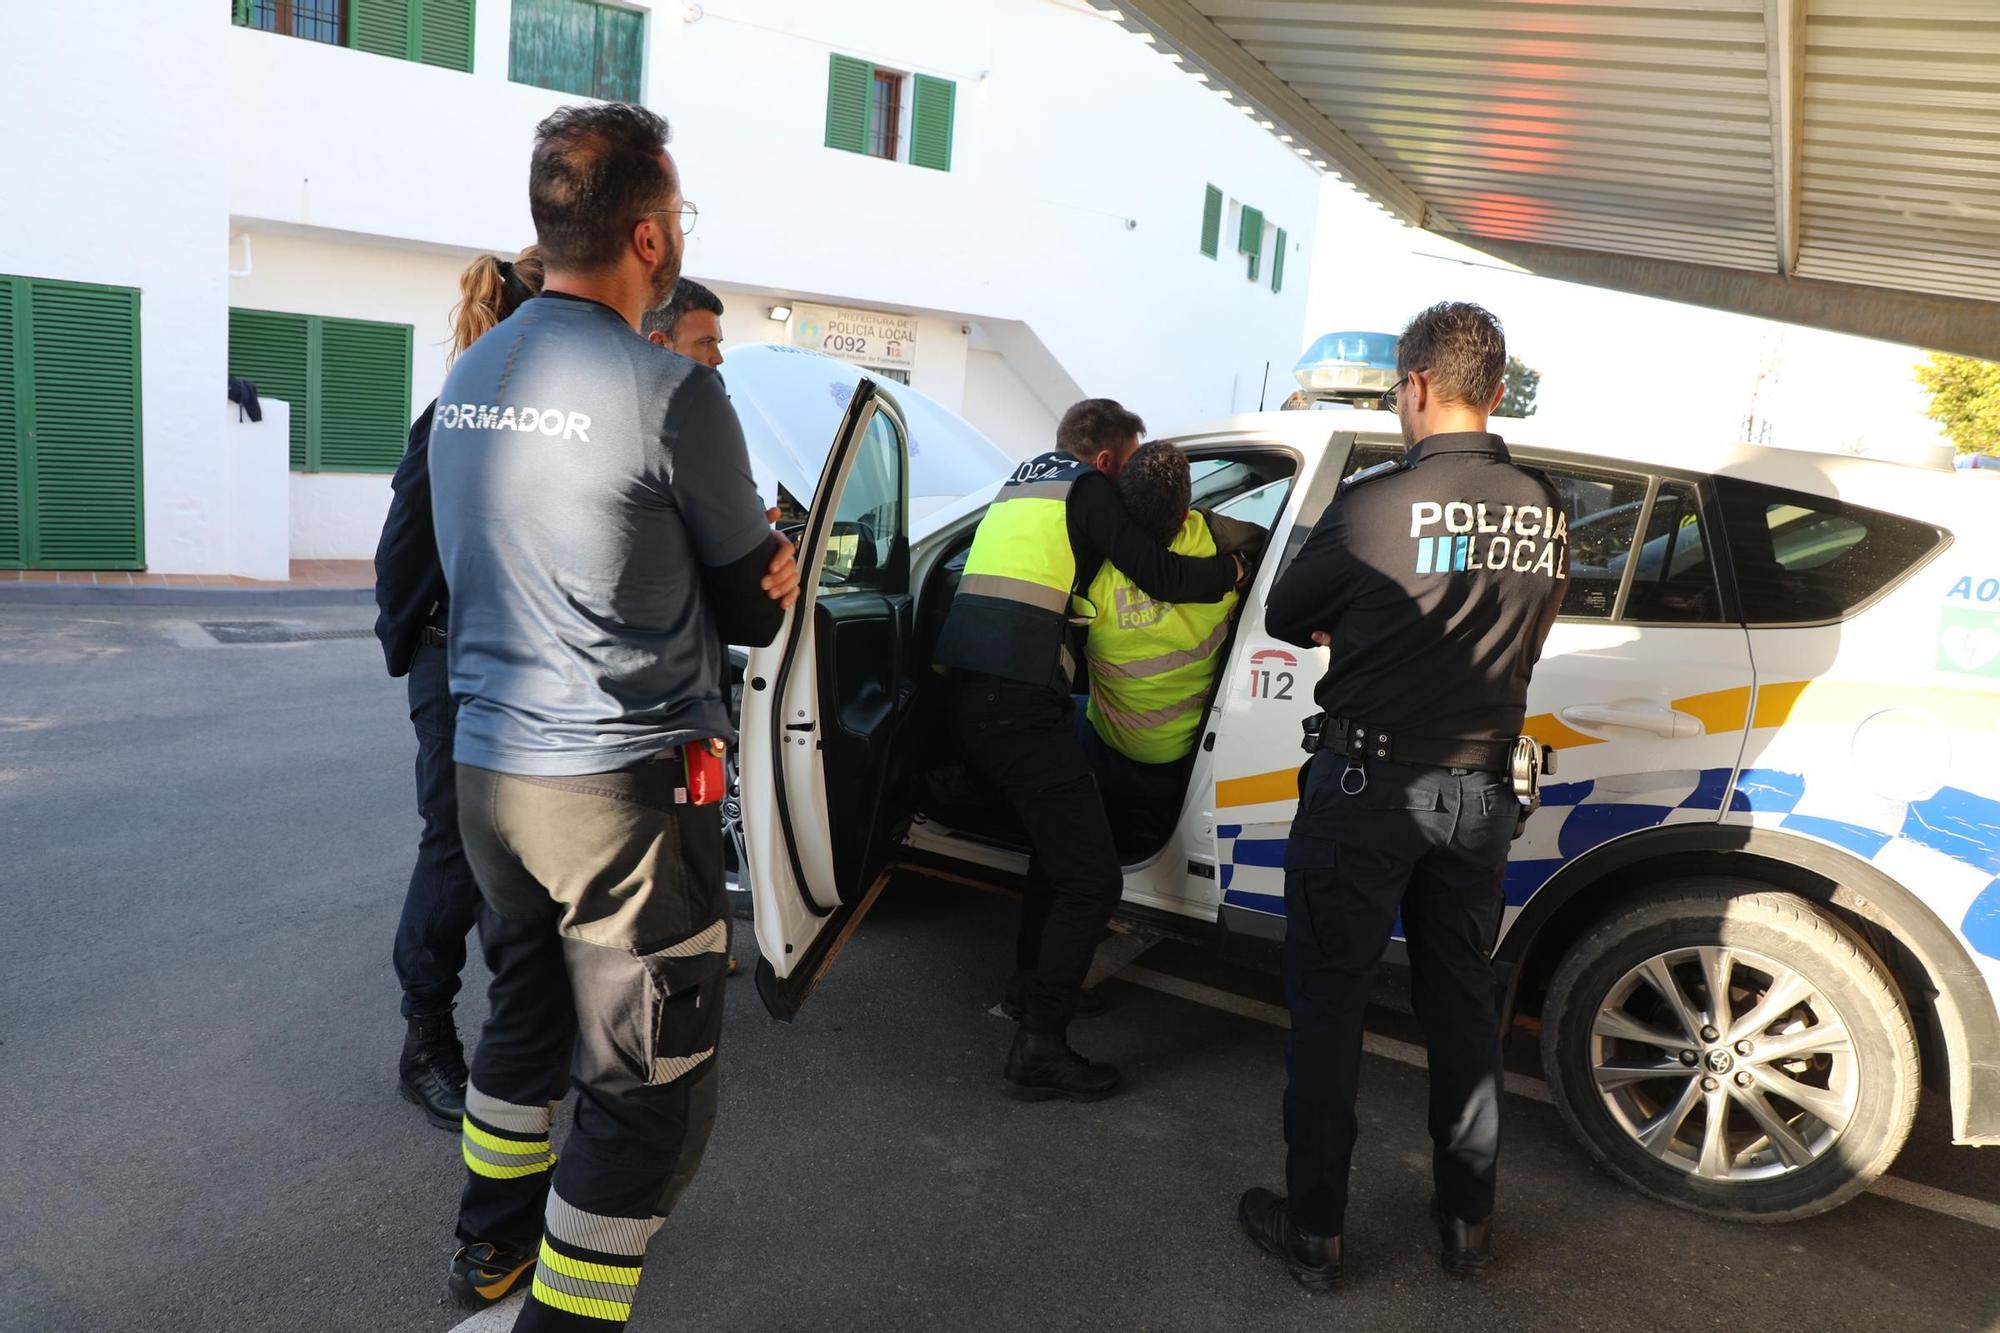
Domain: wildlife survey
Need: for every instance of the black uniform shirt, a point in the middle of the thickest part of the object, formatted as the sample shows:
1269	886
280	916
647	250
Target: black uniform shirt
409	581
1438	581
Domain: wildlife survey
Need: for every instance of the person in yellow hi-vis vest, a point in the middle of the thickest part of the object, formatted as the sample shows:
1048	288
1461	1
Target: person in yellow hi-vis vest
1152	664
1006	642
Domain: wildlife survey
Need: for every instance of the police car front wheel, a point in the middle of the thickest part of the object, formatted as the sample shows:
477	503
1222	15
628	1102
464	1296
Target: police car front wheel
1739	1053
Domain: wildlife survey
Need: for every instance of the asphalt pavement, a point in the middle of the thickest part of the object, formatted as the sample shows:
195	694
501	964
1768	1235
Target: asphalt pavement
202	852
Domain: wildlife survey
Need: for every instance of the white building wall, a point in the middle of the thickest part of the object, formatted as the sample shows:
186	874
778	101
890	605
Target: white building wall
1056	258
338	516
124	182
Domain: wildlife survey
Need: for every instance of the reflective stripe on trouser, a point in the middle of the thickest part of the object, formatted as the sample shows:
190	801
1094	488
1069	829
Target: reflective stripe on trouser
607	937
502	1140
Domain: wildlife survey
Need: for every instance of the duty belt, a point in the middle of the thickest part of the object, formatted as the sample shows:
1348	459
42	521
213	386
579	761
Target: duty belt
1358	740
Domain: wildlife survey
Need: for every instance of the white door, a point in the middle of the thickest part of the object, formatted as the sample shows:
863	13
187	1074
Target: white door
1644	685
826	710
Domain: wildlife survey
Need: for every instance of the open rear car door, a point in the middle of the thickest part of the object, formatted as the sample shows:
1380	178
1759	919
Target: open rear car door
826	709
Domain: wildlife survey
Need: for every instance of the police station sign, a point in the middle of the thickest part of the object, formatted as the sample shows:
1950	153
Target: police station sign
866	337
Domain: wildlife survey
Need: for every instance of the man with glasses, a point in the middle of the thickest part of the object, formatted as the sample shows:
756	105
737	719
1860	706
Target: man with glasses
1434	582
602	539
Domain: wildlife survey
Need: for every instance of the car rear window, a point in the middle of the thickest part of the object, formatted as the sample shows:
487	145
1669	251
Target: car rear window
1804	559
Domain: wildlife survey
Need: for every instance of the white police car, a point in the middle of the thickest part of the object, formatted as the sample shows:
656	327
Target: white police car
1761	900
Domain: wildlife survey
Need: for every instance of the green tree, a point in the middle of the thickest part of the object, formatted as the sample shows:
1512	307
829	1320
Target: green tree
1522	383
1965	400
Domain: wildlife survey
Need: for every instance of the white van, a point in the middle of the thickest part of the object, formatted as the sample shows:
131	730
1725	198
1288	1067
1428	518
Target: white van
1761	900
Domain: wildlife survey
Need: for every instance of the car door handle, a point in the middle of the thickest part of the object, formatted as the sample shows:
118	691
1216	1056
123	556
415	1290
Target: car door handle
1669	723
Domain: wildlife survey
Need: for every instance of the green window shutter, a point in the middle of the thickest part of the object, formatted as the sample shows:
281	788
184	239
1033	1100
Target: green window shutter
1211	222
847	90
239	13
12	554
621	53
931	122
83	359
364	395
380	26
1250	239
272	351
1278	263
442	33
553	44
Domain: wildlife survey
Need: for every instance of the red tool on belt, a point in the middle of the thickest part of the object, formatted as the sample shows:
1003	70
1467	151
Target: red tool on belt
705	781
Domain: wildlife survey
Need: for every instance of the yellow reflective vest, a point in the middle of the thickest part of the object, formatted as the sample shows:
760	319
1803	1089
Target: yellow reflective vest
1011	614
1151	663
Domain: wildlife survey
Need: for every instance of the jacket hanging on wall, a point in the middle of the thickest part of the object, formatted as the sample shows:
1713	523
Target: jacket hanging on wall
243	393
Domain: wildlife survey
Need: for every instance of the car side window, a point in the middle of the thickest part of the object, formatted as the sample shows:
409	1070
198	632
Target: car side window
1674	582
1603	510
1802	559
861	551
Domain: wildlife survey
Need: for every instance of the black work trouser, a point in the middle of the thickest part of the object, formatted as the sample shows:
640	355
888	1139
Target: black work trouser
1021	737
607	933
440	904
1432	842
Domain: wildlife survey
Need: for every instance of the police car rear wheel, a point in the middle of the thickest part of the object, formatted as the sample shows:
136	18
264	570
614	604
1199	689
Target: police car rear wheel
1735	1052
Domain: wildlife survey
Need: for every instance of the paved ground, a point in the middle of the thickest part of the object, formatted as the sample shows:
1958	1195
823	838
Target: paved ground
201	853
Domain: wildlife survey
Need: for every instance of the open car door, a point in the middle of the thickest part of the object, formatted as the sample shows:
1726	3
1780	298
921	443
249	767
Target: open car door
826	710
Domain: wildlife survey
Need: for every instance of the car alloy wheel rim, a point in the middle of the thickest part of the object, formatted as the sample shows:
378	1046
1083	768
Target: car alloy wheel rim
1724	1064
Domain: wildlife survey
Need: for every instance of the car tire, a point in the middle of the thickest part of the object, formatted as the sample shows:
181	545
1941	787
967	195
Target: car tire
1812	1014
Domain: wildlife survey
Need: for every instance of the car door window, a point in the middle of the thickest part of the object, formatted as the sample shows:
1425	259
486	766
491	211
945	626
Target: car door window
1804	559
1674	581
1603	510
862	552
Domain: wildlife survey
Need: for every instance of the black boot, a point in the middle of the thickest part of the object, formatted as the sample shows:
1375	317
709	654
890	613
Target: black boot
1465	1248
432	1070
1014	1004
1314	1261
1040	1065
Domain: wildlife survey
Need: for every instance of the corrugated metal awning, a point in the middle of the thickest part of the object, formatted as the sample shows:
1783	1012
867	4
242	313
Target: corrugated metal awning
1831	162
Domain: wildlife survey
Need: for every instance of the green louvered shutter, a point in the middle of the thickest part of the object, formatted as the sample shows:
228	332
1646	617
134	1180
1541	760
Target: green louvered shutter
1278	263
1250	239
1211	222
553	44
444	33
83	362
271	350
380	26
364	395
931	122
12	555
847	83
621	53
239	13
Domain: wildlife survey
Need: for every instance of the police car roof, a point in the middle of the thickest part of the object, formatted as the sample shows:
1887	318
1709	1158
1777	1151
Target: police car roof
1937	494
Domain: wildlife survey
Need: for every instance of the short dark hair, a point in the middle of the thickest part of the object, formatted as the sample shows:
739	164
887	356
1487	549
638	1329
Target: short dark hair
688	295
1462	348
596	171
1156	488
1096	423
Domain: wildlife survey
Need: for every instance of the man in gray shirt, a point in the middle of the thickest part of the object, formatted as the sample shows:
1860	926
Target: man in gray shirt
602	539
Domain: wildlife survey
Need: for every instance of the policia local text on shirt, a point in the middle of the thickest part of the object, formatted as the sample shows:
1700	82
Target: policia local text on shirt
1054	523
1434	584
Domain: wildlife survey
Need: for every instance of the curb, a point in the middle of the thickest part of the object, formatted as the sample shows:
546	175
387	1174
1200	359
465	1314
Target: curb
78	594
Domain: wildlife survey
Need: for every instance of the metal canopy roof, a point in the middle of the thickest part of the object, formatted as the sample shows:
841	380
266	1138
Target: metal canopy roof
1828	162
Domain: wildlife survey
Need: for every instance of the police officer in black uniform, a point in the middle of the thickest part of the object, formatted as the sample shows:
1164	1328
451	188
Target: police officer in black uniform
1434	583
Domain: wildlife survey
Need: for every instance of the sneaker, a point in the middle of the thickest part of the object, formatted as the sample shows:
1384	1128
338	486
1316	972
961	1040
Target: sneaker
482	1273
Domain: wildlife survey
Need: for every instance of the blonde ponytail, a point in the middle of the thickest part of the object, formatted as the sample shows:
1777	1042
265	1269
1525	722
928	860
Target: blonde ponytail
489	290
